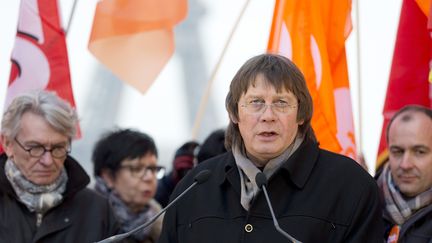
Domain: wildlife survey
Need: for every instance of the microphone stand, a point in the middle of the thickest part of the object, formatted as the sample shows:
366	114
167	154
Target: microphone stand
261	181
275	222
199	178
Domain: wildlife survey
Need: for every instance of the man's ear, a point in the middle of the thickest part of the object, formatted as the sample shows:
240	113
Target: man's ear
300	122
233	119
108	177
7	145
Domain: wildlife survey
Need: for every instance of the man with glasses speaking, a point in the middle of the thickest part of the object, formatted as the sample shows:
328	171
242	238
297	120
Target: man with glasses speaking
274	162
43	195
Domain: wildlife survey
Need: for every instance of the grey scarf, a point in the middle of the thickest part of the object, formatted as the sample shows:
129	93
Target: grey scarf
248	170
37	198
399	207
128	220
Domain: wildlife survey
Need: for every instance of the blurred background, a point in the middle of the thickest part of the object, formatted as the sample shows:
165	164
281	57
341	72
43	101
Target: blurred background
168	109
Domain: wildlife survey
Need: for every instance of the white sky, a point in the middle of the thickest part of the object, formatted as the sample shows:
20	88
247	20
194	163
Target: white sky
378	25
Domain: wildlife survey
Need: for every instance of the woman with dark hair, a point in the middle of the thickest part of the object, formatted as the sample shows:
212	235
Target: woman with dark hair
126	171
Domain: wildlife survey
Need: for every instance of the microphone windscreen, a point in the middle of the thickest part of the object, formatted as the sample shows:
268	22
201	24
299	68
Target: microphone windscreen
202	176
261	180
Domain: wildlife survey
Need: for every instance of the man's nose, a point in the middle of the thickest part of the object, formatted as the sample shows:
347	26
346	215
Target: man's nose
406	161
47	158
268	114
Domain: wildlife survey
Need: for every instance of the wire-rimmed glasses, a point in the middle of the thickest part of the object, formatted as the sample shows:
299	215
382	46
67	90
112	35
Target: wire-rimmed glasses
259	107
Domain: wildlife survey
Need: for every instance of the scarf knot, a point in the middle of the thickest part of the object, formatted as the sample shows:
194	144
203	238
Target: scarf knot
37	198
248	170
399	207
128	220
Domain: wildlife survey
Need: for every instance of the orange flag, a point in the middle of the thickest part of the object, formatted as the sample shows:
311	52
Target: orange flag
312	34
134	38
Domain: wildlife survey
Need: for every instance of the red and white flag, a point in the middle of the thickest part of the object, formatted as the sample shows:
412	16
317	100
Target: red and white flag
39	56
312	34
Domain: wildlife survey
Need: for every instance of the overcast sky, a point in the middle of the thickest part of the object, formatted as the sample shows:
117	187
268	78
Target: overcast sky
378	24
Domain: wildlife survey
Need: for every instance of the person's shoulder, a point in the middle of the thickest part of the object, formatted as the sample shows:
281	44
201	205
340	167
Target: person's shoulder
423	214
90	196
342	166
218	160
216	166
418	226
89	203
344	176
339	160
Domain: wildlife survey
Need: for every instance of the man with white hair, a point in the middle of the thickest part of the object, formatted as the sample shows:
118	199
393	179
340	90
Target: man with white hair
43	195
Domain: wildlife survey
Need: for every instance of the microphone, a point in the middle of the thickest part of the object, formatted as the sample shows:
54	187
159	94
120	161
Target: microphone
261	181
198	179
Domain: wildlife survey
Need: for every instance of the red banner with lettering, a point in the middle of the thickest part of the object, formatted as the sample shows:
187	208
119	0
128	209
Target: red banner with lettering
39	57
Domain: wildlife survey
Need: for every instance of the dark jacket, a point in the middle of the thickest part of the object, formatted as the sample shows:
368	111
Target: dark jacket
417	229
165	187
83	216
317	196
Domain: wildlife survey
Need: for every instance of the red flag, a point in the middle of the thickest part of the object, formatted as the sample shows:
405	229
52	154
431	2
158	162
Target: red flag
408	82
312	34
134	38
39	57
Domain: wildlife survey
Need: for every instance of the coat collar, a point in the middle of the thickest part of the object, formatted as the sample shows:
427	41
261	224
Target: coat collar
77	177
298	167
228	172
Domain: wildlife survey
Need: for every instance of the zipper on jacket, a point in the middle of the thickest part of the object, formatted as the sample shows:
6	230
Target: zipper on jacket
38	219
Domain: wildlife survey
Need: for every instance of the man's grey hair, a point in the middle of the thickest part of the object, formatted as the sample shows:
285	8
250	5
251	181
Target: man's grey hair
55	111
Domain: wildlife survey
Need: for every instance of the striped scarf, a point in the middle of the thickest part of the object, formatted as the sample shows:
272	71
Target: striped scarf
399	207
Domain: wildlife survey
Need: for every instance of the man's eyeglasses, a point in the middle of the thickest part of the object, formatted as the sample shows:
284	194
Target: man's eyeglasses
259	107
58	152
140	171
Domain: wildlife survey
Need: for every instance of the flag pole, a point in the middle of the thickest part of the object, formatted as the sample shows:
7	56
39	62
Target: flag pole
205	97
359	87
71	17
